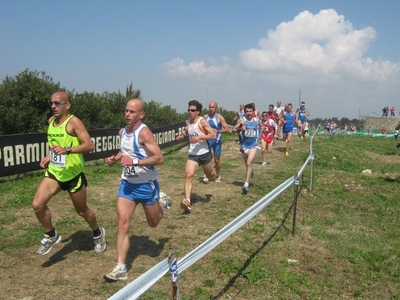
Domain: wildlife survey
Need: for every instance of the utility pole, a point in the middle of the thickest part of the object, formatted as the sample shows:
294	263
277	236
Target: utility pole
299	97
206	96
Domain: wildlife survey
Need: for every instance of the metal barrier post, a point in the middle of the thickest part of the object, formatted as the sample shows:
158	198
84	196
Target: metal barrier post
173	269
296	193
312	172
312	157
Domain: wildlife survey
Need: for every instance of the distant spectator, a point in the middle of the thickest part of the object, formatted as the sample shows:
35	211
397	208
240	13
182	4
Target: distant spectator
353	129
383	111
327	127
392	114
333	127
383	131
346	129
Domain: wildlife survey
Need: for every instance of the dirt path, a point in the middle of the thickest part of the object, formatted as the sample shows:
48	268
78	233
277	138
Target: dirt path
73	271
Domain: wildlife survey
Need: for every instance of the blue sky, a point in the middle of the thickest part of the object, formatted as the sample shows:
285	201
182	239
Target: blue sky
344	56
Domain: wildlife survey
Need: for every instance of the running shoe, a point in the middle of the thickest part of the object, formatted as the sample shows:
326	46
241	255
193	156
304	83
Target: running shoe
165	200
47	243
287	153
218	178
100	241
185	204
205	179
264	164
116	274
245	189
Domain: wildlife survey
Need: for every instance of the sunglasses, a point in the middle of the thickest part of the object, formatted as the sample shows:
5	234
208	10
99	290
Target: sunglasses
192	110
56	103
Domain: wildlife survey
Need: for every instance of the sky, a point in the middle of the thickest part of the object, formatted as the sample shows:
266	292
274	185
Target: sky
342	58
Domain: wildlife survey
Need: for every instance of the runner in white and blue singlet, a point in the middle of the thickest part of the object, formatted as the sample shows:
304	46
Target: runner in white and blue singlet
199	132
218	124
288	118
302	114
248	127
139	154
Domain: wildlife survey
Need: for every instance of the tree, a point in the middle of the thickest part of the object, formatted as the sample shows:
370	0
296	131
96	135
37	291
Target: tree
157	116
24	102
130	93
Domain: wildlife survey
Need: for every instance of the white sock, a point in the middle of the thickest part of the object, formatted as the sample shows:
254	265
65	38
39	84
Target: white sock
122	266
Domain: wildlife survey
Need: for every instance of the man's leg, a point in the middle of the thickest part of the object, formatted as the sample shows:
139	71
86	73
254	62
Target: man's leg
217	161
263	151
190	170
208	170
47	189
288	139
154	213
269	147
248	160
125	210
79	200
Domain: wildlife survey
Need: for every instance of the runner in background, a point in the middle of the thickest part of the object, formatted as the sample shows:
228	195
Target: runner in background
218	124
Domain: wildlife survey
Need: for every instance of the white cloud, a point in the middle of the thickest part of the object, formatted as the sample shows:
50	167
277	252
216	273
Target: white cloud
178	67
323	54
324	42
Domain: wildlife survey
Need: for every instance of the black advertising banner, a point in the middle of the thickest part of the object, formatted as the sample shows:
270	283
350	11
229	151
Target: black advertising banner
21	153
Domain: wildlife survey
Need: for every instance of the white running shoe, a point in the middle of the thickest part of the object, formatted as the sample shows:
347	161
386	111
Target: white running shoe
205	179
245	189
100	241
165	200
116	274
186	205
47	243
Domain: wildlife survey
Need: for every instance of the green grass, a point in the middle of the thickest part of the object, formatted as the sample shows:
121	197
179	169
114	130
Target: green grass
346	246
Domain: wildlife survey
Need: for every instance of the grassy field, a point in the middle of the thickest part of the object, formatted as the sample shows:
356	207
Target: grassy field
346	246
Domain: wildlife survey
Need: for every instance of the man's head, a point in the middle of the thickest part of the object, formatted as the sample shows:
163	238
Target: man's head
271	108
278	103
248	110
213	106
134	112
194	108
264	114
60	103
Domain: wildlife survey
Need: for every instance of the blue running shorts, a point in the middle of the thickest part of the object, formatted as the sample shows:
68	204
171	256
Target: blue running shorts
146	193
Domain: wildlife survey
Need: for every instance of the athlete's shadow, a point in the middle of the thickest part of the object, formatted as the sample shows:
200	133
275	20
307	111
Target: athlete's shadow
142	245
237	183
81	240
251	257
280	149
196	198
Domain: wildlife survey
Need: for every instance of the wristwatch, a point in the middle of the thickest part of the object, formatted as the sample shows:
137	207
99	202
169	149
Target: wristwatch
135	162
68	149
